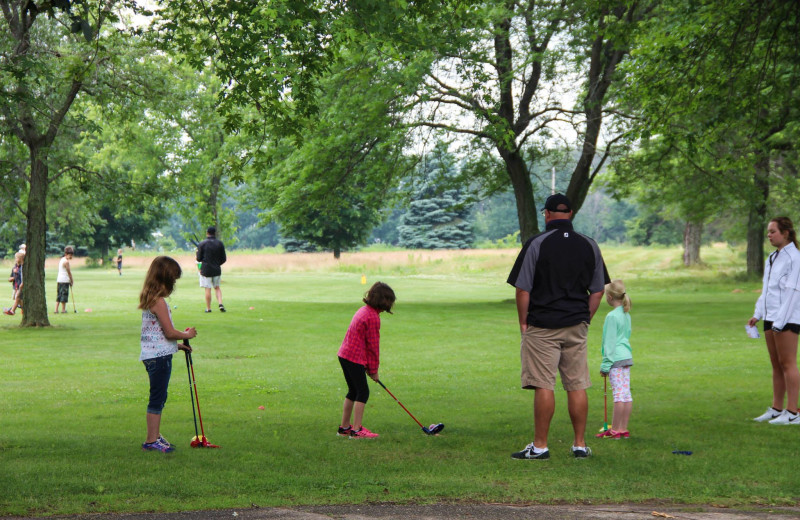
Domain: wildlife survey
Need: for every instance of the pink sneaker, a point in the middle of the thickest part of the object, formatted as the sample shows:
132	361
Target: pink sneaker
362	433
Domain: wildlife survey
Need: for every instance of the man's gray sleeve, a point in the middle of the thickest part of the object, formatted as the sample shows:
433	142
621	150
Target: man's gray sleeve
524	280
600	275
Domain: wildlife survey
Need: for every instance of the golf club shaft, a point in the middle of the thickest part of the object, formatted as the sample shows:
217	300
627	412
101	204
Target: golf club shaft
191	395
194	381
401	404
74	310
605	402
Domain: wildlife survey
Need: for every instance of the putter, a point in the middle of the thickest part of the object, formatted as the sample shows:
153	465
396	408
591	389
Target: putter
605	405
73	300
433	429
191	395
199	441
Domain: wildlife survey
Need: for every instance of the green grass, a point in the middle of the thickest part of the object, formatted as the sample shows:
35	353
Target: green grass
74	396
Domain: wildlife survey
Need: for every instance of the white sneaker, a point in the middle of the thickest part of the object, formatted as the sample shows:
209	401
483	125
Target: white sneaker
768	415
786	417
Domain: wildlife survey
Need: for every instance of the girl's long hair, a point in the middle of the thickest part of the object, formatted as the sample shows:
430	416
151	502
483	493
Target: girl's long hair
159	282
785	224
616	289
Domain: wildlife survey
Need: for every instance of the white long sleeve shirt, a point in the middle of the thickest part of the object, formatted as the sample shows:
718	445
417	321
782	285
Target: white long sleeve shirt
780	292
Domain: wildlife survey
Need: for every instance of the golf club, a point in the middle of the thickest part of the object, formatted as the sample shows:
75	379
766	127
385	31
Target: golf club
199	441
191	395
73	299
433	429
605	405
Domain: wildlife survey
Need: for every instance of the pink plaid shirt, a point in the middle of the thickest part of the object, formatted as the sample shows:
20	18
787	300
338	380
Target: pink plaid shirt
362	341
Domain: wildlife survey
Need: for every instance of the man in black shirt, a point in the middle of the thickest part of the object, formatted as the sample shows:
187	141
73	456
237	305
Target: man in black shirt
210	256
560	278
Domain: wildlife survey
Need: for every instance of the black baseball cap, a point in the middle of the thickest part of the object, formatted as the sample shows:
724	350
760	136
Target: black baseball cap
557	202
211	230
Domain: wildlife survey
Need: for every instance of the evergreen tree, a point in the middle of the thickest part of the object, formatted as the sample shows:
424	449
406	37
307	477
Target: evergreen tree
438	214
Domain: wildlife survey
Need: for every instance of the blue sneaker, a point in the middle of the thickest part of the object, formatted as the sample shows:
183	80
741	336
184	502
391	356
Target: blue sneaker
163	440
157	445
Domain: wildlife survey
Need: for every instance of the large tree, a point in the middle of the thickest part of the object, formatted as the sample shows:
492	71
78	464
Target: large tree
50	54
719	84
506	77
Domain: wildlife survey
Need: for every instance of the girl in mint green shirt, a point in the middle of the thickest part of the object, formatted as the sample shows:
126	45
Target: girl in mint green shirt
618	357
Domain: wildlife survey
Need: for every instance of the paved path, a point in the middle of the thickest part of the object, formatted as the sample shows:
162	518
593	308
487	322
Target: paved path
461	511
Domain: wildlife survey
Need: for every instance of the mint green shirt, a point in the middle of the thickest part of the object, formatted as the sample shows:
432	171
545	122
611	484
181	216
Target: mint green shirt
616	349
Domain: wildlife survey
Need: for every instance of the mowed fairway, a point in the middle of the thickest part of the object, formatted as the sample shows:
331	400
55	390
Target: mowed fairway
74	395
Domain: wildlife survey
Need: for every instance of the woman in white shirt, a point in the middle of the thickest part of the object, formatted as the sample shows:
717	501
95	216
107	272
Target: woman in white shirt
779	307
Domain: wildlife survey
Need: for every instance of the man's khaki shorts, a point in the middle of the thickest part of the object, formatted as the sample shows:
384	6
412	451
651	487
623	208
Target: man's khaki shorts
545	352
209	282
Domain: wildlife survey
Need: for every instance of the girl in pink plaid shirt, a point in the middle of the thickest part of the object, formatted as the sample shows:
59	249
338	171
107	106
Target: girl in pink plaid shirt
359	356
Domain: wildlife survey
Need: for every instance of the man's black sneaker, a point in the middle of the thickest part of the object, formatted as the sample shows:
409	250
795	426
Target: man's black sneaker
528	453
581	452
221	308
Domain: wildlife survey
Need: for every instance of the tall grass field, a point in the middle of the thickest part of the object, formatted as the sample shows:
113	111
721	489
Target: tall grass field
73	396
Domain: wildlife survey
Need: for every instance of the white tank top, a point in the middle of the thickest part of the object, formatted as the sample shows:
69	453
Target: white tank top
63	276
154	344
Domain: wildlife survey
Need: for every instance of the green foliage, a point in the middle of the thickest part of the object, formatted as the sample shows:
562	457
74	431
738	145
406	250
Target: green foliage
651	228
606	219
122	224
386	232
437	216
294	245
330	190
495	217
715	86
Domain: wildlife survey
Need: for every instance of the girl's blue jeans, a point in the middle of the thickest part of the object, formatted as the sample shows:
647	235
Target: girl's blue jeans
158	369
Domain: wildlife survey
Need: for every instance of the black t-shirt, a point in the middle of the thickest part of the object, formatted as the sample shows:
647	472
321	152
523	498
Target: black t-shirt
559	268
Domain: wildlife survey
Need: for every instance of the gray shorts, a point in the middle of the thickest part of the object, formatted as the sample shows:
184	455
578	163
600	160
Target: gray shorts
63	293
209	282
546	352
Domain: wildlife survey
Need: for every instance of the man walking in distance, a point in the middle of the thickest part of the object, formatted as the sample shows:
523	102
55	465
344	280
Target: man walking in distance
211	255
560	278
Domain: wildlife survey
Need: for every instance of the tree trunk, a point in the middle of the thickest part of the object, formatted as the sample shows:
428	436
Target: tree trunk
213	201
337	252
34	299
757	219
692	234
605	55
523	193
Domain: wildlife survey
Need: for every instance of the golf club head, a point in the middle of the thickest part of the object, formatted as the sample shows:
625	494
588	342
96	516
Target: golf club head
202	442
433	429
